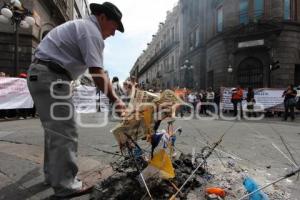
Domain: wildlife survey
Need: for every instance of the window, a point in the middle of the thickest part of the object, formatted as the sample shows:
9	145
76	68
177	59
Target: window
197	36
173	34
166	67
220	19
168	37
172	62
191	41
287	9
244	19
258	8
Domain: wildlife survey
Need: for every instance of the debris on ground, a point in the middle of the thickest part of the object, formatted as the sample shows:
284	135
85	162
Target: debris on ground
161	174
125	184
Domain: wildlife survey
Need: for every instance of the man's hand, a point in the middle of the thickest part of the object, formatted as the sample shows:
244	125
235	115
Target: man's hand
119	107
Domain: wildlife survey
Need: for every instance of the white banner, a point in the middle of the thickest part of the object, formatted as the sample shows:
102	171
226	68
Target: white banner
104	102
14	93
84	99
266	98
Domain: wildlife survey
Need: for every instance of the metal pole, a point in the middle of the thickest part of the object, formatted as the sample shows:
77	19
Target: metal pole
272	183
185	78
269	78
192	78
16	61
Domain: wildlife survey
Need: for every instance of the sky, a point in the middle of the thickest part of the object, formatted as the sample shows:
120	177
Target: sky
140	20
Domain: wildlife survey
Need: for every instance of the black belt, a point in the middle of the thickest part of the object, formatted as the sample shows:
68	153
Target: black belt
53	67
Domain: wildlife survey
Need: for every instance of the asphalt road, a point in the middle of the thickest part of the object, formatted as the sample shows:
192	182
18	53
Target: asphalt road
257	146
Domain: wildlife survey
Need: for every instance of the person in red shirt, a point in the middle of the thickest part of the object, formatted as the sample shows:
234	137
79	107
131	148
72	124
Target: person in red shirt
237	98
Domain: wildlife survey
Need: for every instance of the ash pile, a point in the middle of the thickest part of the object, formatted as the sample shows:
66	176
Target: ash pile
126	183
212	181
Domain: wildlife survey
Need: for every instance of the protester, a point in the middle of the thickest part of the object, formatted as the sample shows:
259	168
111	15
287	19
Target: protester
236	99
210	96
128	90
133	82
181	107
2	74
289	102
116	87
250	102
191	98
217	100
64	54
3	113
203	107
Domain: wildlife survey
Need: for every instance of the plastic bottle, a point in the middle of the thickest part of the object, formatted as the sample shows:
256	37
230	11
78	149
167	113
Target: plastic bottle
251	186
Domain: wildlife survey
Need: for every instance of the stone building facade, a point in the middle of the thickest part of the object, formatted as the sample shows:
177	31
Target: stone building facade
240	42
48	14
157	67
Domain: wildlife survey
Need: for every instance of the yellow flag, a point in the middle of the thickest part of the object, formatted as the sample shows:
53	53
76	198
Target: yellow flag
163	163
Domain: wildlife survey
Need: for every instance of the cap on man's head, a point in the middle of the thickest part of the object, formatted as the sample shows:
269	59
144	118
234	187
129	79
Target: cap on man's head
110	10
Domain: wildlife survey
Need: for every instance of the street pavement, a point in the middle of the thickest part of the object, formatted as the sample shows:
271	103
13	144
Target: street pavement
262	146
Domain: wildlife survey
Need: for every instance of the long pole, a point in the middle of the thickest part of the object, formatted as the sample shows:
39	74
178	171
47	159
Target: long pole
16	61
272	183
200	165
269	78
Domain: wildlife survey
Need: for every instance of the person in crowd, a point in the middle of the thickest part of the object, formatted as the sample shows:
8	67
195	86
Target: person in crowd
250	102
116	87
191	98
133	82
217	100
210	96
236	99
65	53
127	91
289	102
2	74
2	111
203	107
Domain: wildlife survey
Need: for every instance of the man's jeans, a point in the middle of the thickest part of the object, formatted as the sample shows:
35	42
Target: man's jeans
52	96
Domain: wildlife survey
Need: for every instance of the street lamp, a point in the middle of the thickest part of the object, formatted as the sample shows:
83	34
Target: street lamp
187	66
229	69
18	15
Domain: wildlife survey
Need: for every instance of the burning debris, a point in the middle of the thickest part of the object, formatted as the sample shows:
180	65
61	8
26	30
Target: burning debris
212	181
159	174
126	184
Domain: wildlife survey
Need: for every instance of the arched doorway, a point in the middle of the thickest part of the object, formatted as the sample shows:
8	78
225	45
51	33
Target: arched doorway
250	73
